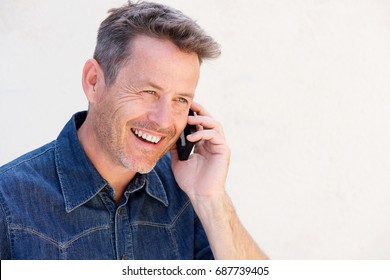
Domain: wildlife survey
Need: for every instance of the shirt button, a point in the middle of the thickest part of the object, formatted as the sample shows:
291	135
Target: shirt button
124	257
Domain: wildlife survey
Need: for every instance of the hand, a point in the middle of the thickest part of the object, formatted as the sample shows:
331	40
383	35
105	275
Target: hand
203	175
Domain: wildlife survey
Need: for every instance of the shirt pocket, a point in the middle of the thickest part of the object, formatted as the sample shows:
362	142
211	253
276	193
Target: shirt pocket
153	241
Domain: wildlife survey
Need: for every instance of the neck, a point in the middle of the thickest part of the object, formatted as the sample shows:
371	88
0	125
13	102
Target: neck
116	175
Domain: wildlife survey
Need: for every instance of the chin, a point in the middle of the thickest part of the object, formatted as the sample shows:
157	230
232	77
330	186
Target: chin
134	165
143	171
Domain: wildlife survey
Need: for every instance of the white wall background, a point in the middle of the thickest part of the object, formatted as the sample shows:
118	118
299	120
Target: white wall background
302	88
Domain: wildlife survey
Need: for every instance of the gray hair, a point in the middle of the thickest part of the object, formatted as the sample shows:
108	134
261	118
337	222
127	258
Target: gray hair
145	18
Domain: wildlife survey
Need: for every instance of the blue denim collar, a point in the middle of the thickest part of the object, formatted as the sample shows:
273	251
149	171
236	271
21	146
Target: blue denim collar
79	179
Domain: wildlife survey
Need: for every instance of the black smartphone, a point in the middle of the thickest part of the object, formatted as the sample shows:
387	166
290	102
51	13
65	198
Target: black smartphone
185	147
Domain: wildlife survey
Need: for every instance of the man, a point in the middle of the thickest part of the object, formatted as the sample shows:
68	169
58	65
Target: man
111	185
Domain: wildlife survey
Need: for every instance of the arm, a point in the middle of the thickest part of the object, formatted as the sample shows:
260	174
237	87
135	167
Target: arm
202	178
227	236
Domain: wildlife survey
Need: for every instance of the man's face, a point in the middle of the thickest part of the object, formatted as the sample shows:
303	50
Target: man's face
139	117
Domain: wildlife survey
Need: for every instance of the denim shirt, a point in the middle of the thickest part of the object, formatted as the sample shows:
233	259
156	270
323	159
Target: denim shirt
55	205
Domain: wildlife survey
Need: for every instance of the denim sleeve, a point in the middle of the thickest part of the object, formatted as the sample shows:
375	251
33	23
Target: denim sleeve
202	246
4	236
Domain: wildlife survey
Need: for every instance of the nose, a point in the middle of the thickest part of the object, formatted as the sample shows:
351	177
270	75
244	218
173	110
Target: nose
161	113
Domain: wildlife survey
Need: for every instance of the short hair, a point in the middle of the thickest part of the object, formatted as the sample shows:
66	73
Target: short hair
146	18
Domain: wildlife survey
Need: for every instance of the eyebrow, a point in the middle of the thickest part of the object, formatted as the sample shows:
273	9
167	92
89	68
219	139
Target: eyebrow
154	85
186	94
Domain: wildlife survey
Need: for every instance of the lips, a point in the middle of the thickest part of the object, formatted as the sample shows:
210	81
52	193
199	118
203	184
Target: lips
146	136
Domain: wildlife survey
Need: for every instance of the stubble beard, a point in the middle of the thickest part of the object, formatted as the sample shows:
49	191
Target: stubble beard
113	143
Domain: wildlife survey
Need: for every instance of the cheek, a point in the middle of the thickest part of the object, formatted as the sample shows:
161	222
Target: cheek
114	121
181	121
181	127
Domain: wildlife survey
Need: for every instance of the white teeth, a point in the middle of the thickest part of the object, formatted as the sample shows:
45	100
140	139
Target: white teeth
147	137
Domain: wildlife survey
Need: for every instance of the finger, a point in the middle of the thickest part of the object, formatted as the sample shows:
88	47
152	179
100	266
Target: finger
212	136
199	109
206	122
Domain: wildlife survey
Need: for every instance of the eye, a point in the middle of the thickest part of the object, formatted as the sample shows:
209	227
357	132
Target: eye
182	100
151	92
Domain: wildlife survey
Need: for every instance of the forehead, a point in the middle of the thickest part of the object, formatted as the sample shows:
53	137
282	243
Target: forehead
160	61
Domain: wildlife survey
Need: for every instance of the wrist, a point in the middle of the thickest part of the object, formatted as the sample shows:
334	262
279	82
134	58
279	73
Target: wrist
213	208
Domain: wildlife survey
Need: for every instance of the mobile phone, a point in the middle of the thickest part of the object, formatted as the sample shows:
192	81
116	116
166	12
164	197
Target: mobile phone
185	147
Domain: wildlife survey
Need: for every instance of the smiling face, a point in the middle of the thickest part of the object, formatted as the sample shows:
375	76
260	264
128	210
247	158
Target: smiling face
138	119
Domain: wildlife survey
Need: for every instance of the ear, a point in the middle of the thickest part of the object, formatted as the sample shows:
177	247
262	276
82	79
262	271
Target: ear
92	77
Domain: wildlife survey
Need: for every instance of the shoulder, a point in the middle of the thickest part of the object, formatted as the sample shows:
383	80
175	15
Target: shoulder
22	181
29	166
34	157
